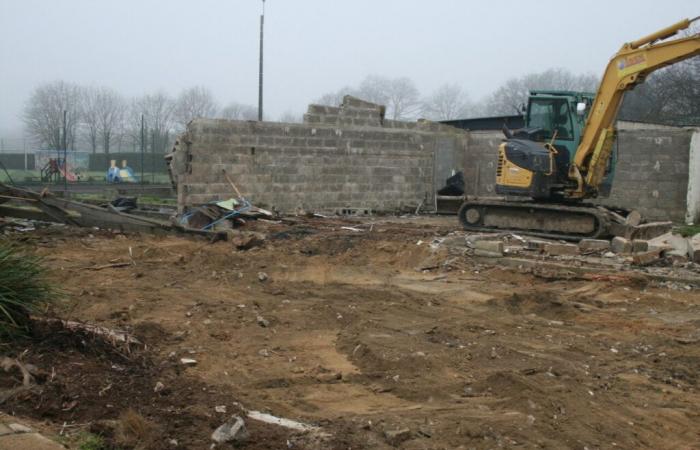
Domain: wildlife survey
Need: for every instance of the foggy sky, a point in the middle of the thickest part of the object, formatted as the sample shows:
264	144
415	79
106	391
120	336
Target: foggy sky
311	46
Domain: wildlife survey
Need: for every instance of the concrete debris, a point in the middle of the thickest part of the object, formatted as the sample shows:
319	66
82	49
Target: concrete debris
640	246
246	240
587	245
233	430
188	362
694	248
158	387
561	249
262	277
646	258
262	321
490	247
621	245
633	218
280	421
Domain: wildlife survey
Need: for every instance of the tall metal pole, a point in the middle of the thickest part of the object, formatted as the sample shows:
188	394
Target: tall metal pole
142	139
65	156
260	70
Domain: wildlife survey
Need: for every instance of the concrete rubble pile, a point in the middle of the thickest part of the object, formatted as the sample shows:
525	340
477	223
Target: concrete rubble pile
668	250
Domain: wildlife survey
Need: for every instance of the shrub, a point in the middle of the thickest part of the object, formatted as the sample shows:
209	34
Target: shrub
23	288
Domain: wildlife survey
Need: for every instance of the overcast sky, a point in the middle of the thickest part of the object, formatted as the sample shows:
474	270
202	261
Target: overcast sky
311	46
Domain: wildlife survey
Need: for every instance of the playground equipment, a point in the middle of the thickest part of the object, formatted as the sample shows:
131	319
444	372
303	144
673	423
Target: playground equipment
55	170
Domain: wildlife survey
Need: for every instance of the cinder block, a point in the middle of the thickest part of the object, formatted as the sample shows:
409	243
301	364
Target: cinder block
621	245
639	246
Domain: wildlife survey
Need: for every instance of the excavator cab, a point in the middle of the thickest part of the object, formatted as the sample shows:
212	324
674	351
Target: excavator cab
534	161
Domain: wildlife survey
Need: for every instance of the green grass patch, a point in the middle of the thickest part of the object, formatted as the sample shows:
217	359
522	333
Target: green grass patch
24	288
689	230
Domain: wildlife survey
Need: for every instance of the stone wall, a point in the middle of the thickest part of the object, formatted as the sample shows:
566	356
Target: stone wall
652	174
340	157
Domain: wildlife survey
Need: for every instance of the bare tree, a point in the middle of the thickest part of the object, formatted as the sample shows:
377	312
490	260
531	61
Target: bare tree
399	95
103	114
157	110
447	102
43	114
239	111
670	96
192	103
509	98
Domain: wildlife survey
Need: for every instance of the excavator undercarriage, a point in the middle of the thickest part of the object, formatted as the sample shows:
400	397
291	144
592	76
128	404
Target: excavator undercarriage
548	220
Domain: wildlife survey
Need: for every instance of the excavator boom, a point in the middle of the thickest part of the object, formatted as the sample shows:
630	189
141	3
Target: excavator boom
629	67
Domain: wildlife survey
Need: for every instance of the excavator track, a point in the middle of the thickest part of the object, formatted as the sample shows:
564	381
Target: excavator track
546	220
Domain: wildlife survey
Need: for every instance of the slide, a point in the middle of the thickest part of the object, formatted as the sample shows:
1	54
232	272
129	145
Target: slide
70	176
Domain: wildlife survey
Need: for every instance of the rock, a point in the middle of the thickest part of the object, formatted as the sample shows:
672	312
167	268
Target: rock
188	361
593	245
490	246
264	352
639	246
396	437
646	258
561	249
262	277
233	430
262	321
158	387
609	255
220	408
620	245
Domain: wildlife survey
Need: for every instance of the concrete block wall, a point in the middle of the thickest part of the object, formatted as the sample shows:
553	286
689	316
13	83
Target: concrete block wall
340	157
652	175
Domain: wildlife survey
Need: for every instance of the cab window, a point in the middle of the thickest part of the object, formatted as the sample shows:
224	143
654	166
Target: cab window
551	115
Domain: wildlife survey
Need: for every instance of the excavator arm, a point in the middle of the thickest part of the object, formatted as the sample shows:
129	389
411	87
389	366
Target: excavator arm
627	68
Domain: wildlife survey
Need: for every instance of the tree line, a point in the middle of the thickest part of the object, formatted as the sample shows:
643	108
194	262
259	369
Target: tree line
100	118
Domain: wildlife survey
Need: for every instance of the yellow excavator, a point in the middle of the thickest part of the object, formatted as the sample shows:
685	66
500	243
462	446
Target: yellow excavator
564	155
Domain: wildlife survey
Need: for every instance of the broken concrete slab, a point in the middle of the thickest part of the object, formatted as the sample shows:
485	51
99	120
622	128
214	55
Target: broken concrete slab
490	246
593	245
562	249
233	430
644	231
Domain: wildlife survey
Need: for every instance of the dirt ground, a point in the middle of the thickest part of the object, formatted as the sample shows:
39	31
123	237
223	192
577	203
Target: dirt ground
336	328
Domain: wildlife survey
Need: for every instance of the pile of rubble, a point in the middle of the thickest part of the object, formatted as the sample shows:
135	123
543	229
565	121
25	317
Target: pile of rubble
666	249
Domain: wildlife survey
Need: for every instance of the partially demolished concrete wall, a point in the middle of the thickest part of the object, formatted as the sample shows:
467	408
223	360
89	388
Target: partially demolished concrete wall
339	158
350	157
653	174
